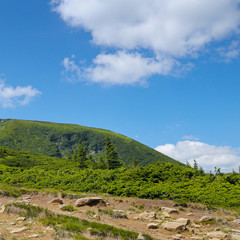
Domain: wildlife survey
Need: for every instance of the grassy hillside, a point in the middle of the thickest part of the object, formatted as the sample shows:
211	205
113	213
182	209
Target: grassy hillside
160	180
60	140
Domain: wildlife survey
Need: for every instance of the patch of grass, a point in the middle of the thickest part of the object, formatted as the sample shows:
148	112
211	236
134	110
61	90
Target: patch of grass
66	226
69	208
112	213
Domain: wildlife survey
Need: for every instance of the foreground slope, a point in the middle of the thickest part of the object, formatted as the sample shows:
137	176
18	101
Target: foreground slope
60	140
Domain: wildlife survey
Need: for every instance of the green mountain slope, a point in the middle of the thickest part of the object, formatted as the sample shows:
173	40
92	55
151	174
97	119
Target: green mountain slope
60	140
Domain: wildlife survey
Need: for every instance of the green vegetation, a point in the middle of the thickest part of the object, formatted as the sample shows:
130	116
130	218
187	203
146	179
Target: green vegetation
112	213
69	208
160	180
71	226
62	140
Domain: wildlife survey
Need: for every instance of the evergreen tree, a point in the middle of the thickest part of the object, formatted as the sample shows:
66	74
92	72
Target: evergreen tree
195	165
111	155
81	155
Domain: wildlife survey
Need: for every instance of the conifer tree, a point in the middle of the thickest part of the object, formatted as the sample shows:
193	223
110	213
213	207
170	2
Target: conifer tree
81	155
111	155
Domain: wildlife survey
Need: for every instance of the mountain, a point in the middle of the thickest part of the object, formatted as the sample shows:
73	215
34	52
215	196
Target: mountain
60	140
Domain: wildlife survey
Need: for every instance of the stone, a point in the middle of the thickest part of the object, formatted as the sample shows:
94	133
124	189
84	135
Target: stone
90	201
189	214
18	230
140	237
1	236
88	229
217	234
205	218
152	226
196	238
166	215
236	221
174	226
183	220
34	236
2	209
97	217
146	215
169	210
56	200
178	237
21	219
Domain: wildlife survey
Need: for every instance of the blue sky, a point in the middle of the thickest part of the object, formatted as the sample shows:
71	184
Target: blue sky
166	73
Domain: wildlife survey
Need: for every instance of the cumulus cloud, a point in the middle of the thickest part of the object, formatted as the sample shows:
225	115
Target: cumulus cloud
207	156
11	97
119	68
169	29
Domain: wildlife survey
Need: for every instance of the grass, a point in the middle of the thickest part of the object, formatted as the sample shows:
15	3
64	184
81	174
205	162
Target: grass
69	208
112	213
66	226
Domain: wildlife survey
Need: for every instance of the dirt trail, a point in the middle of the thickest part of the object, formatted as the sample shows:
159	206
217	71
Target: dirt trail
136	210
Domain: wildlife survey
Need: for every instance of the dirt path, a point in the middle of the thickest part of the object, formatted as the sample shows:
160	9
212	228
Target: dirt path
139	212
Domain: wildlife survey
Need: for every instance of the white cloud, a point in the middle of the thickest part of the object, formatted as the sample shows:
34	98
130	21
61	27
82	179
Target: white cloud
11	97
119	68
207	156
168	28
230	52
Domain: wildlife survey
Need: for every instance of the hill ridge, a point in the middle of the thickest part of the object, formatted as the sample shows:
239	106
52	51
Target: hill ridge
60	140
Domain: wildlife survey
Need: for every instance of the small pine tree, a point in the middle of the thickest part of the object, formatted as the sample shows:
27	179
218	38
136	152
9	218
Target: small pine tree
111	155
195	165
81	155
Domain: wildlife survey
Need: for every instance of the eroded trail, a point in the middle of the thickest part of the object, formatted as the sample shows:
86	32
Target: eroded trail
158	218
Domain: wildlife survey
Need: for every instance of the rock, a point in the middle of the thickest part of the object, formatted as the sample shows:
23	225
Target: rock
56	200
21	219
183	220
146	215
178	237
205	218
169	210
2	209
196	225
140	237
189	214
152	226
88	229
217	234
91	201
118	211
196	238
236	221
97	217
1	236
166	215
19	230
34	236
174	226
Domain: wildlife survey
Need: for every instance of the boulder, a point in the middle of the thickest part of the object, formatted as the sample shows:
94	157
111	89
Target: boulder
169	210
236	221
166	215
152	226
205	218
174	226
183	220
146	215
90	201
57	201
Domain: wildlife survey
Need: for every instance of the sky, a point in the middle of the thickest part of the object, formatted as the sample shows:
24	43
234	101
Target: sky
163	72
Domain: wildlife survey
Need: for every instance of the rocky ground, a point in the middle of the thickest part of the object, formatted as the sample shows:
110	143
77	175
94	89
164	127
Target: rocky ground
160	219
